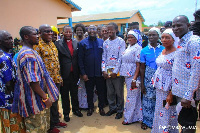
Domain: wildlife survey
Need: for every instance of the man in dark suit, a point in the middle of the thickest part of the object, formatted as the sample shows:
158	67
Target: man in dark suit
67	54
90	58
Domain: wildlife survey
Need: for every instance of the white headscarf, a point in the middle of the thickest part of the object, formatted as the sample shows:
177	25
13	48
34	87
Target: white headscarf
170	32
157	30
131	32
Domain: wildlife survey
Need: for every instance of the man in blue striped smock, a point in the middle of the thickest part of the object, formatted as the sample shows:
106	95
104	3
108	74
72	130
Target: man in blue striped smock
35	90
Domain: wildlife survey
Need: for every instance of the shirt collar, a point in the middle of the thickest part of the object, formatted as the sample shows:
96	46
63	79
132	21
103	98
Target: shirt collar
91	39
186	36
158	46
67	41
42	41
7	53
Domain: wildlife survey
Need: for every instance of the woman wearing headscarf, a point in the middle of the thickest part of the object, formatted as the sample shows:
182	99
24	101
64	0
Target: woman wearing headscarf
165	116
147	69
130	68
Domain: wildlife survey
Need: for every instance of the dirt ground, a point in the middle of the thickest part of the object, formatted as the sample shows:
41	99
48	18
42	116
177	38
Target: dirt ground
99	124
102	124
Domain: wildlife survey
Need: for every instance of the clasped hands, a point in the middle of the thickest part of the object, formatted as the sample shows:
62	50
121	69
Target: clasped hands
112	75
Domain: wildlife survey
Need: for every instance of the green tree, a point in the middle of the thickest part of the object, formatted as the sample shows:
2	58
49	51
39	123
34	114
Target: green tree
144	25
160	23
146	30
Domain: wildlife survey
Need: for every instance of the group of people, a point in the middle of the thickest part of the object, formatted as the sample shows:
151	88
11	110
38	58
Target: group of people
158	76
170	78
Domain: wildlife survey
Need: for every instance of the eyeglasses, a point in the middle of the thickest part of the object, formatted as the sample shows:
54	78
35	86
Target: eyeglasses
48	31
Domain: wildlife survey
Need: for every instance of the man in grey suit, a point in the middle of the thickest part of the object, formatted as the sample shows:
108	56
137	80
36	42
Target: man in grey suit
67	54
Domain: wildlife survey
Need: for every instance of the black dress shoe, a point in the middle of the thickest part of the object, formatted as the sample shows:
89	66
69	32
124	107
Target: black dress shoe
102	112
78	113
118	115
110	112
66	118
90	112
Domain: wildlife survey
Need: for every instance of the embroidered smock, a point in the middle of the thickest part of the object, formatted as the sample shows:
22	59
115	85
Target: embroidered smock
186	67
30	68
112	52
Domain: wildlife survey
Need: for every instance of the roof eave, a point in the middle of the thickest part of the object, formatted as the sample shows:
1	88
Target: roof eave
73	6
140	15
95	20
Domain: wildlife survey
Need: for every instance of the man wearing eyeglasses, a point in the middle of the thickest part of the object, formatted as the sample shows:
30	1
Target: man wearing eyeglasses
90	52
49	54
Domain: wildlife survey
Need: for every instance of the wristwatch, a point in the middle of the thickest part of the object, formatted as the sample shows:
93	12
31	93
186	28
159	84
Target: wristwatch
133	80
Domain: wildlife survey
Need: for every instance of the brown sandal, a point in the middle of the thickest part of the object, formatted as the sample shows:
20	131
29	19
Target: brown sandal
125	123
144	126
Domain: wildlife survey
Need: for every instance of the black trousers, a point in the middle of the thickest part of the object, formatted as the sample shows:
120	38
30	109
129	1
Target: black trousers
105	92
89	85
69	85
54	114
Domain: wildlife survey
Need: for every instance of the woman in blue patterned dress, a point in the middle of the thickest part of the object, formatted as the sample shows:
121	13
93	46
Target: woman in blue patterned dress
147	69
165	118
130	68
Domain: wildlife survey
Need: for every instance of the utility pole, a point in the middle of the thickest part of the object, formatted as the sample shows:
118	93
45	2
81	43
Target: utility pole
196	5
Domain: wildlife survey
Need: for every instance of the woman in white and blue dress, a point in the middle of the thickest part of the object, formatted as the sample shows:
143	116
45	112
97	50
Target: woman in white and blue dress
82	95
130	67
165	116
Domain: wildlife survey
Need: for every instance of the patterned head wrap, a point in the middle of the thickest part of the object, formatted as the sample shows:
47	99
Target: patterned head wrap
136	34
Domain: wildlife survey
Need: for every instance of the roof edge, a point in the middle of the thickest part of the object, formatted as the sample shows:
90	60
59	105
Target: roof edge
95	20
141	15
73	4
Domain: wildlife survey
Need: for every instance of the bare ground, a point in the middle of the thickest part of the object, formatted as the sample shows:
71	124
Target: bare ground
102	124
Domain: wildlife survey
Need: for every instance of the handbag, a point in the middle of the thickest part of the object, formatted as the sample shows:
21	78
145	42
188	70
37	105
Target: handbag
188	116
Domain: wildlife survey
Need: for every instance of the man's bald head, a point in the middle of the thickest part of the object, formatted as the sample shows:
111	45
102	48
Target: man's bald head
181	18
46	32
6	41
180	25
43	26
3	33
